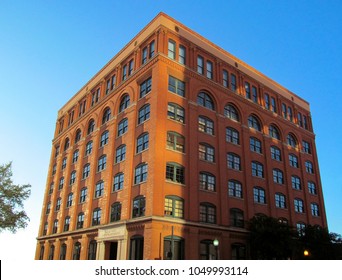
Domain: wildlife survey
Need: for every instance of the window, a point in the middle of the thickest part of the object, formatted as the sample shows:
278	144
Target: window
78	135
113	82
66	144
207	250
75	156
182	55
225	79
312	187
54	169
205	125
122	127
254	94
95	97
80	220
259	195
64	162
275	153
62	253
289	110
206	152
267	101
144	56
207	181
232	136
238	251
255	145
145	87
309	167
233	161
82	107
58	204
99	189
51	188
120	154
124	72
273	105
257	169
176	86
45	229
306	147
314	210
253	122
118	182
200	65
174	248
205	100
171	49
175	142
144	113
142	142
89	148
66	223
91	126
92	250
209	70
174	207
138	207
291	140
55	226
278	176
107	86
152	49
106	115
96	217
175	173
296	183
69	201
236	218
248	90
175	112
86	171
207	213
136	251
77	251
101	164
72	177
280	200
234	188
124	103
284	110
61	183
104	138
83	194
130	67
48	208
57	151
298	205
140	173
233	82
293	160
231	112
301	228
274	132
115	212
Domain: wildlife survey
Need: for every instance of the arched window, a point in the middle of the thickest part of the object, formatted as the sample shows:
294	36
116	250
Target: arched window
124	103
175	172
80	220
175	141
274	132
138	207
91	126
207	213
51	252
207	181
66	144
77	251
207	250
66	223
234	188
115	212
205	100
173	248
259	195
174	206
62	253
96	217
106	115
78	135
231	112
291	140
253	122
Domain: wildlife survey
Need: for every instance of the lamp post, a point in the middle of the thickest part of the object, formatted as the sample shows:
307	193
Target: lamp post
306	253
216	244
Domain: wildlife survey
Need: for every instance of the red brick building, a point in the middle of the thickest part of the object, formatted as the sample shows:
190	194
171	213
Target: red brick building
175	143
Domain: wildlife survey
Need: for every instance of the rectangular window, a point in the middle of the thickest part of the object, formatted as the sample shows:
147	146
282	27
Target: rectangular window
248	90
284	109
209	70
273	105
176	86
145	87
254	94
144	56
124	72
200	65
113	82
233	82
225	80
172	49
267	101
152	50
130	67
182	55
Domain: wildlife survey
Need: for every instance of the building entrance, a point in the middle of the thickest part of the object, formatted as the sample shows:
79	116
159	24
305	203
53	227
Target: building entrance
113	250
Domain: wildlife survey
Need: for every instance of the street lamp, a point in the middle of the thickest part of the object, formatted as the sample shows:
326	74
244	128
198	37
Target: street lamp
216	244
306	253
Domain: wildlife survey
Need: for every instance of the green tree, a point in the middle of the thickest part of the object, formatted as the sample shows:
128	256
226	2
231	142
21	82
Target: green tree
270	239
12	215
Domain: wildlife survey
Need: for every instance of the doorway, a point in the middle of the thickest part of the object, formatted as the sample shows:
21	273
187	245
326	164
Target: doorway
113	250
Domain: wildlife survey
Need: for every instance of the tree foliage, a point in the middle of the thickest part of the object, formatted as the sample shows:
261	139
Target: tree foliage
12	215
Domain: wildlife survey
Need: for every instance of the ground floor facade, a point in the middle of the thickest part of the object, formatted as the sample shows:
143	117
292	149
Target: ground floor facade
153	238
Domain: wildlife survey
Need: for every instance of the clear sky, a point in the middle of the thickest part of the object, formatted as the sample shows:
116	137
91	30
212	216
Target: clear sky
50	49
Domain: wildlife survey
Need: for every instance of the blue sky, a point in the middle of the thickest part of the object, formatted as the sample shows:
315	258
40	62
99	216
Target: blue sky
50	49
